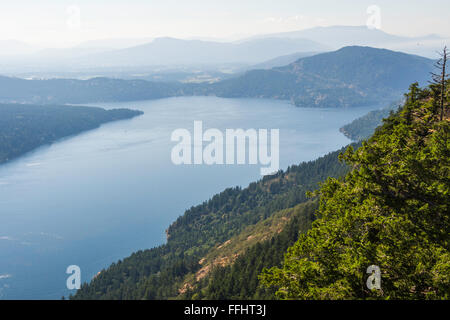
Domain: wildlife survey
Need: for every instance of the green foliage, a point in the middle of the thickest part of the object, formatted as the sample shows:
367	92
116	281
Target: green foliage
159	273
26	127
392	211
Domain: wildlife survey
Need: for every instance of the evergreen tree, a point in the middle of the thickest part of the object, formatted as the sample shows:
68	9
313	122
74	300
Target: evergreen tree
391	210
439	81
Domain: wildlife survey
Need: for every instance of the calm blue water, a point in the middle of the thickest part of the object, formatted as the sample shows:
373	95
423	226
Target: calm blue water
97	197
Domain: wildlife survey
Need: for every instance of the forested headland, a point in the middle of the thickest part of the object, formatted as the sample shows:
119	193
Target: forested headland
383	202
26	127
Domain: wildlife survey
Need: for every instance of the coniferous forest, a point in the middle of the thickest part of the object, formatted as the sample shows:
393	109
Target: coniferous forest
391	210
383	202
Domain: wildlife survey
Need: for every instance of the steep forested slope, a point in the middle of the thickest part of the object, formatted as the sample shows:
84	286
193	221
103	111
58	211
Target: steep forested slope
391	211
160	273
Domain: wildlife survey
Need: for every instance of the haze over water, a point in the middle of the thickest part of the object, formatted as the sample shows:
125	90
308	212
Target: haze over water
92	199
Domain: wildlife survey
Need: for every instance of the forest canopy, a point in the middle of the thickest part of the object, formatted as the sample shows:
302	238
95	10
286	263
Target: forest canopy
391	210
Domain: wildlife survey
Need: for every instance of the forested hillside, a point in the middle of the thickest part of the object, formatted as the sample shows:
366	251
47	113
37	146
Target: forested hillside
234	266
161	272
391	211
26	127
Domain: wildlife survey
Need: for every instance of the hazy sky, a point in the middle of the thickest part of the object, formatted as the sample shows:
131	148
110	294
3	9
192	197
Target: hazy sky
62	23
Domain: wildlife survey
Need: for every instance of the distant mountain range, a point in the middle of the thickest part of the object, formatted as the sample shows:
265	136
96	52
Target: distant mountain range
17	57
349	77
340	36
337	37
170	51
160	53
15	47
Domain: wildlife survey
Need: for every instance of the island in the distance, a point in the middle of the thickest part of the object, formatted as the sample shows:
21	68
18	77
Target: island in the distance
25	127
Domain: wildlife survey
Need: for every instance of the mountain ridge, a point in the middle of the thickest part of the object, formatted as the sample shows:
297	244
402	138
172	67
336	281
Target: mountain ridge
349	77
